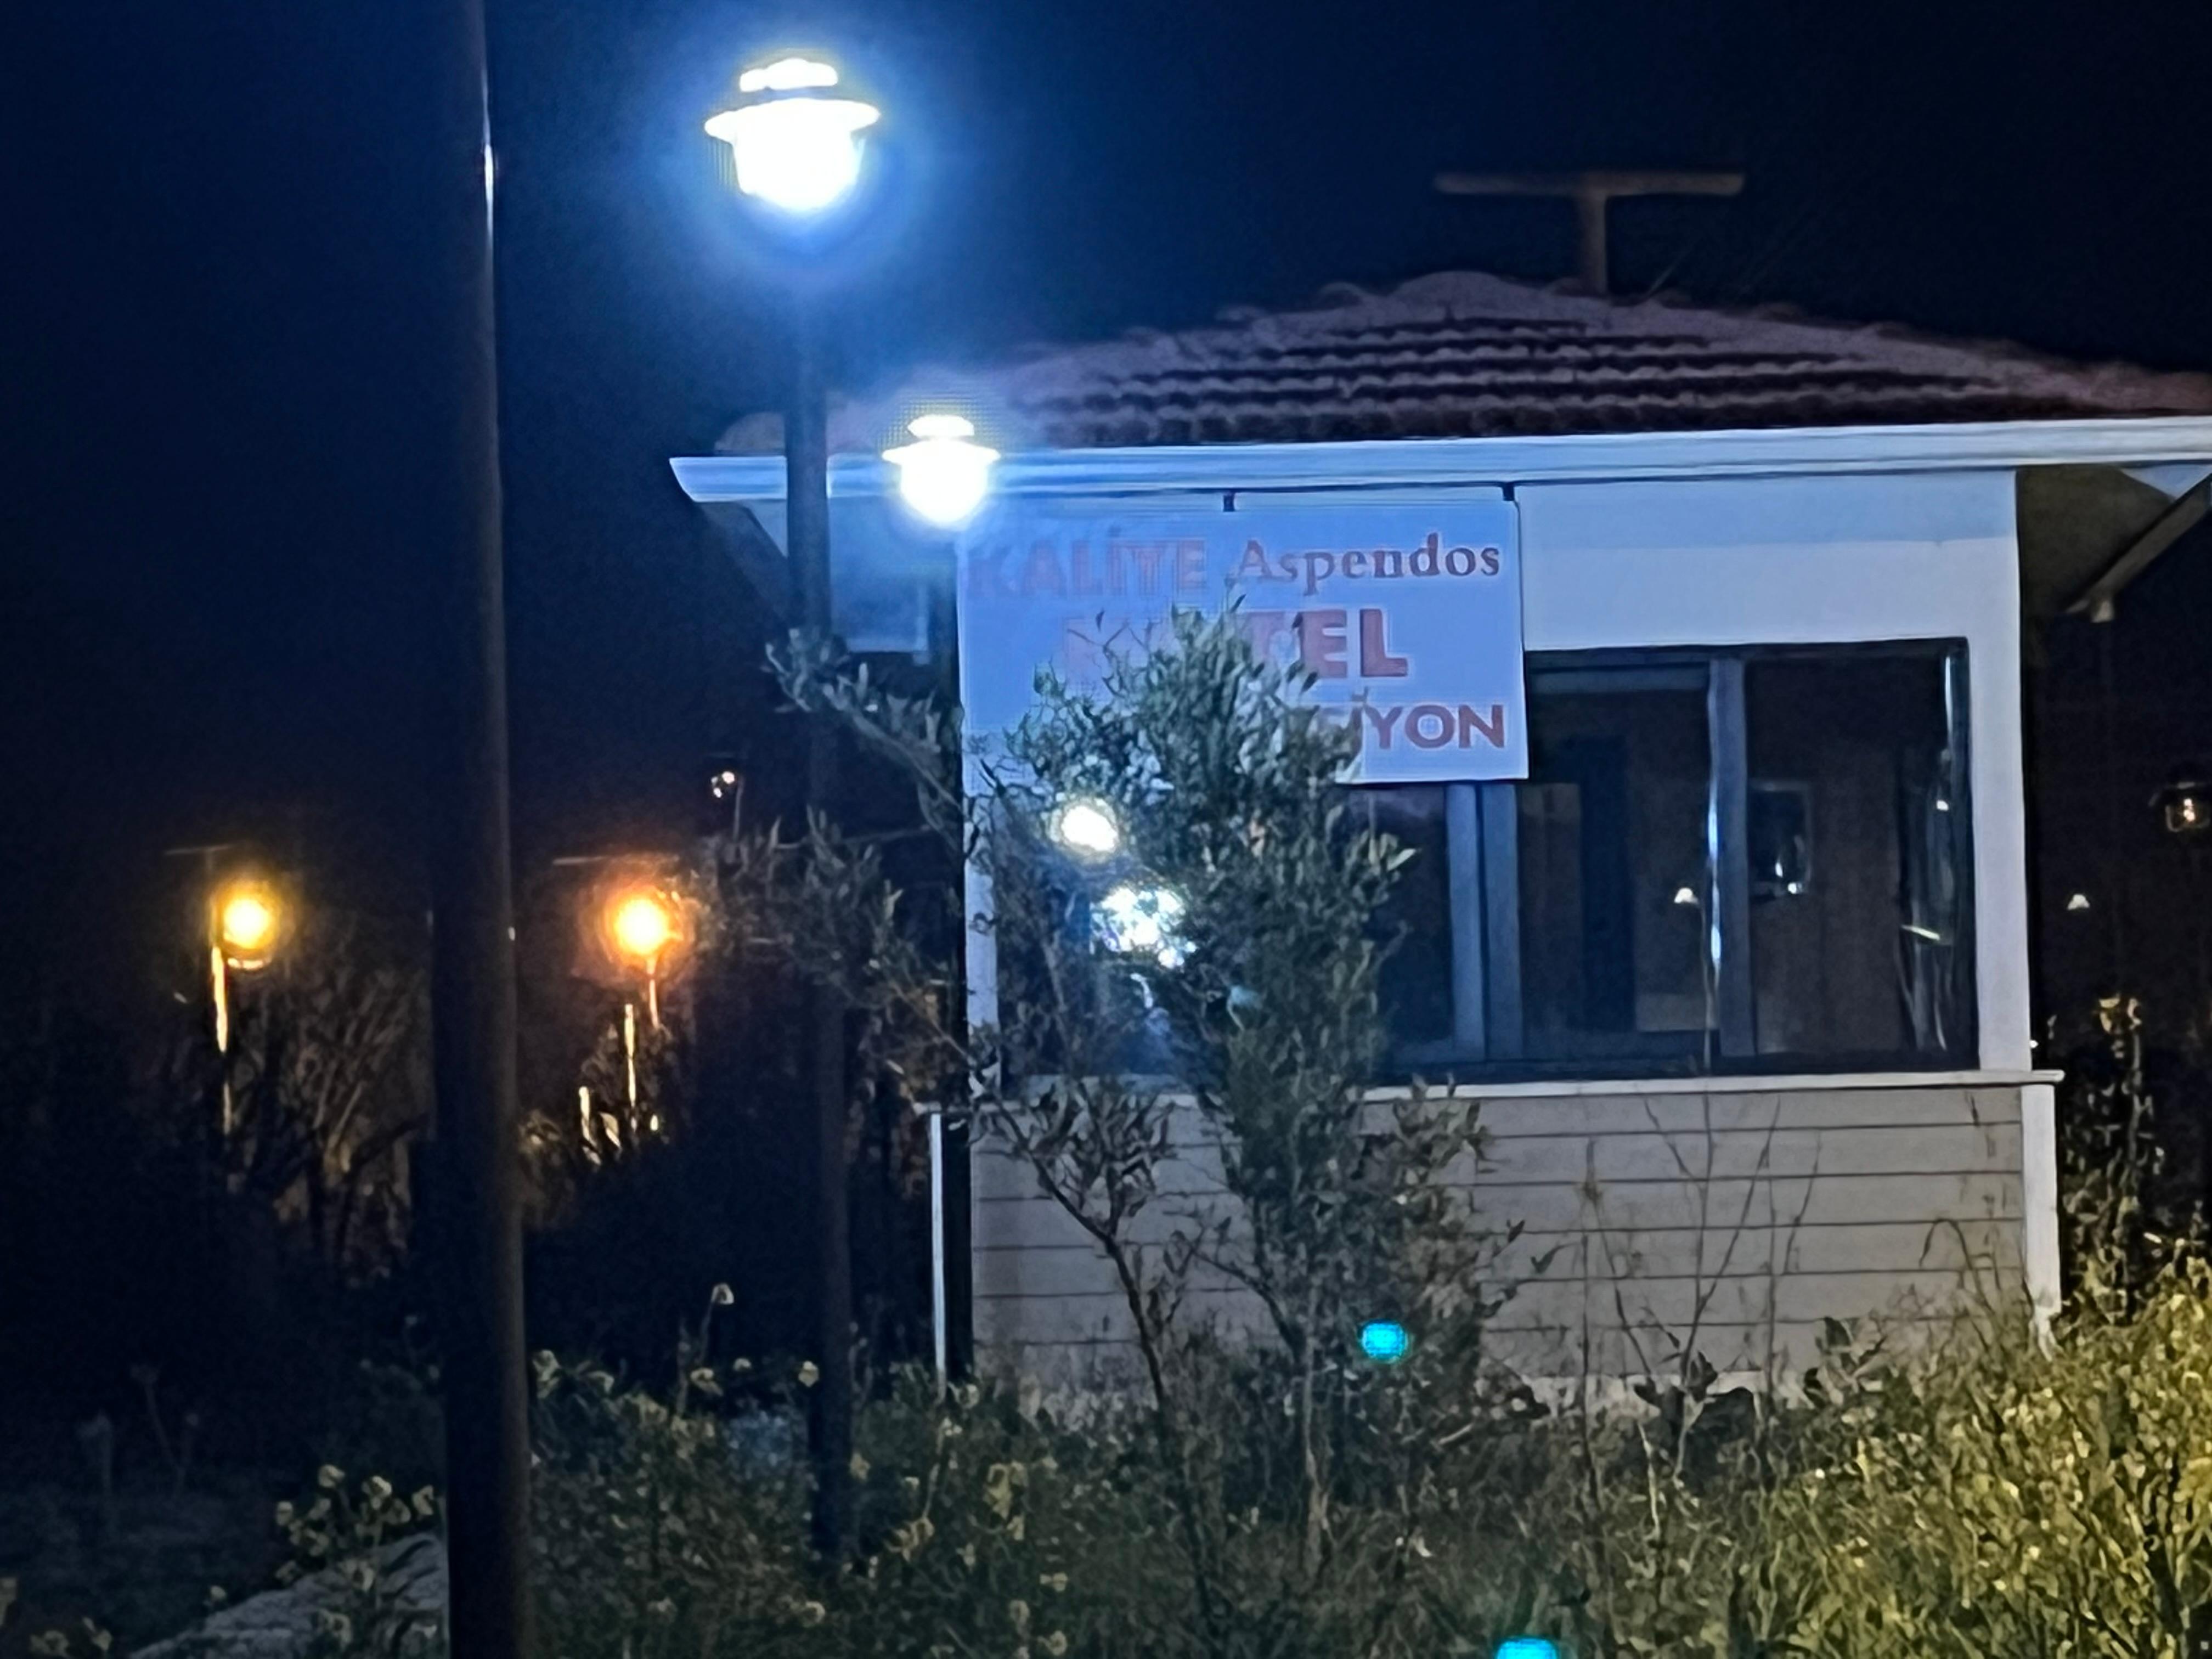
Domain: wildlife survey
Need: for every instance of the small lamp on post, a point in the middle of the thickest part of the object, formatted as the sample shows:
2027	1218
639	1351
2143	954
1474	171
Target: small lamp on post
2185	808
245	926
642	928
2184	804
944	475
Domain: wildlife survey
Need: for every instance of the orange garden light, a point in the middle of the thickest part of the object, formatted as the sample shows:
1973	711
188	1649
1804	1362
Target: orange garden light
245	926
249	921
643	929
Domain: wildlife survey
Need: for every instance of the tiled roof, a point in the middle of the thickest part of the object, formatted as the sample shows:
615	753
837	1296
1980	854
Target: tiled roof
1464	354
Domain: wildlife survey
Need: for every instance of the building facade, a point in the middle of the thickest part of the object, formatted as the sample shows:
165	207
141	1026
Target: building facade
1711	746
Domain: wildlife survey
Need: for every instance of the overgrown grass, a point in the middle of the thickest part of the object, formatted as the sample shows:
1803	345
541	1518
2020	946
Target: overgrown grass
1982	1498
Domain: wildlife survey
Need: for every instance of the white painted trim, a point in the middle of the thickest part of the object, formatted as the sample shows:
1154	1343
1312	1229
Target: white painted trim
1444	463
2039	1201
1800	1083
1810	1083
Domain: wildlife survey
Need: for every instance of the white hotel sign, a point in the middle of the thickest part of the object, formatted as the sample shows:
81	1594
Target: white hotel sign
1408	616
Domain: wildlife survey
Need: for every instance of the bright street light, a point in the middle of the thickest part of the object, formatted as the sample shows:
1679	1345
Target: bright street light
797	145
1087	827
944	474
642	926
248	916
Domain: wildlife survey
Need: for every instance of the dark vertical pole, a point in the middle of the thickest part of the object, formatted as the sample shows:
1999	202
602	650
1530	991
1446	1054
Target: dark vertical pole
806	461
478	1177
2114	860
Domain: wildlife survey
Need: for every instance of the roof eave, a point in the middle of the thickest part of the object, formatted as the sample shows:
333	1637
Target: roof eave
1443	463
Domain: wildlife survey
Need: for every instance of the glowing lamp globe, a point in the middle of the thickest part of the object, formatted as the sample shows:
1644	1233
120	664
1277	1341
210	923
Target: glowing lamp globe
1086	828
1385	1341
944	474
1140	921
797	142
643	926
247	919
1527	1647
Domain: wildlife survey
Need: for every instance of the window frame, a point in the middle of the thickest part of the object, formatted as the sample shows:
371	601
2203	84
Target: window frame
1481	823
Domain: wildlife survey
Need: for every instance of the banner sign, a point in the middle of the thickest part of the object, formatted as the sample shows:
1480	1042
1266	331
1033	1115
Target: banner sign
1409	617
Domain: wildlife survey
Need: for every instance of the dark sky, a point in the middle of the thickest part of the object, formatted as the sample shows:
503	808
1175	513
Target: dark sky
212	597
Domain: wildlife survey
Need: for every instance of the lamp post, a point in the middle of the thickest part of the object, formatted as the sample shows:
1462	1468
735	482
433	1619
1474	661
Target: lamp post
641	928
2185	808
943	476
474	1171
798	143
245	925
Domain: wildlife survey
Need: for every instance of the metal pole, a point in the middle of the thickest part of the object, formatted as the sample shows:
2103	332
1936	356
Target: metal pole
829	1422
478	1187
939	1314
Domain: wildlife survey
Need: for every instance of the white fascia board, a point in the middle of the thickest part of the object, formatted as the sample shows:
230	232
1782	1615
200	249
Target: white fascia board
1444	463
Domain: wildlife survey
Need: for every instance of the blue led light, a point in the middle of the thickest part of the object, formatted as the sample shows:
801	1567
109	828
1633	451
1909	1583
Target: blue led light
1527	1647
1386	1342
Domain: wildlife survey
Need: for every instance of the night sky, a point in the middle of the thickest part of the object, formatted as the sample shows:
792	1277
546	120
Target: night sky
212	579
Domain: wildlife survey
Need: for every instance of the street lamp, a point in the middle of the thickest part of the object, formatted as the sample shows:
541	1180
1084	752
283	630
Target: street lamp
1141	919
797	143
2186	804
641	927
944	474
245	924
248	921
1087	827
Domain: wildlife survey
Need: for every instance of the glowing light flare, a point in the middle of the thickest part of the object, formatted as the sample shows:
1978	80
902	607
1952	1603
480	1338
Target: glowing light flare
1527	1647
642	926
793	74
248	918
1087	827
944	474
1385	1341
1140	921
796	149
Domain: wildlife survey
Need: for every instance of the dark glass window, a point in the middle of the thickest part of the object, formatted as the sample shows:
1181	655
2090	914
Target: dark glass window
1721	860
1417	978
1612	864
1857	889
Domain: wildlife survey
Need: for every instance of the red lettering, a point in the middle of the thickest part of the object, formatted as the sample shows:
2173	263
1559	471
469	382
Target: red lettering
1318	567
1146	557
1254	565
1190	567
1452	561
1080	579
987	576
1355	563
1376	662
1263	629
1322	643
1490	562
1383	720
1472	726
1425	560
1041	572
1417	731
